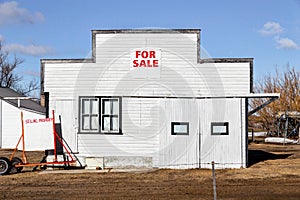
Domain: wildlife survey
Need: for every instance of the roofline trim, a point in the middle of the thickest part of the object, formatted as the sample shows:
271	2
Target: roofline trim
80	60
225	60
144	31
117	31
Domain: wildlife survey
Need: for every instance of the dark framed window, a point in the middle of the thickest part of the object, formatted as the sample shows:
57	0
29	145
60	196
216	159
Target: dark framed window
219	128
110	115
100	115
179	128
89	114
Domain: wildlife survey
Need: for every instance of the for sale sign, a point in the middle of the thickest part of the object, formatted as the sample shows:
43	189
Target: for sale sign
145	63
38	134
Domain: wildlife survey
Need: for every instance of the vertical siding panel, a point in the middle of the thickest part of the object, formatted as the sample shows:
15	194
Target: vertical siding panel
179	151
244	130
225	150
65	108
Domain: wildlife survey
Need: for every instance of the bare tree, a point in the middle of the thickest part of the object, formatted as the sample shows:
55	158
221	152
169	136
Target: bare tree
286	83
8	76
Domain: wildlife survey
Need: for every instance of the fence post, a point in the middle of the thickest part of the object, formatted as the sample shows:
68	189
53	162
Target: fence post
214	180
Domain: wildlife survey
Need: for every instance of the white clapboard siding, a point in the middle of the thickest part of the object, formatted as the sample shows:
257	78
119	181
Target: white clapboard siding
181	74
175	80
140	127
112	46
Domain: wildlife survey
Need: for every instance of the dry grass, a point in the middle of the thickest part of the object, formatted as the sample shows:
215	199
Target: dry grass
274	174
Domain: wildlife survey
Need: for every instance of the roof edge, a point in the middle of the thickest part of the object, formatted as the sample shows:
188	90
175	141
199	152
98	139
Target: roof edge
225	60
80	60
117	31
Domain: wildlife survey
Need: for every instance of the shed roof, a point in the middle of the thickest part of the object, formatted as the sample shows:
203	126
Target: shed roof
12	97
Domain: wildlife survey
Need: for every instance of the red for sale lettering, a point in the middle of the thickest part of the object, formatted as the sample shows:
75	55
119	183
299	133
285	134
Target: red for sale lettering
145	59
145	54
145	63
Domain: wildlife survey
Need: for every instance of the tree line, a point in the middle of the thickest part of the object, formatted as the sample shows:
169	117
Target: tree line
287	83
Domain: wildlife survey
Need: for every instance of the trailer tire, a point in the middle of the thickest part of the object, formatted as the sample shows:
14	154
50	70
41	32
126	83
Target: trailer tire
5	166
16	161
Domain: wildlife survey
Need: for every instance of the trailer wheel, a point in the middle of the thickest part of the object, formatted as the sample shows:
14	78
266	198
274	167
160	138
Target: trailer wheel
5	166
16	161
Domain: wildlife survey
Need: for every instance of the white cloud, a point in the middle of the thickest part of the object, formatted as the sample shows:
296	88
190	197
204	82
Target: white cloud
33	50
11	13
286	43
271	28
1	38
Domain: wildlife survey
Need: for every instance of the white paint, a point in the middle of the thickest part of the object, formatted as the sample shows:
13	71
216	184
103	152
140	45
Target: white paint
38	134
94	163
146	122
145	63
224	150
12	127
179	151
199	148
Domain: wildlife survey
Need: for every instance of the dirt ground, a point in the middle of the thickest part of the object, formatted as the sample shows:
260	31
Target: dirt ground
274	173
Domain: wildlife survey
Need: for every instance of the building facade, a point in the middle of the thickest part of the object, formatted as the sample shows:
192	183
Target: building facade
148	98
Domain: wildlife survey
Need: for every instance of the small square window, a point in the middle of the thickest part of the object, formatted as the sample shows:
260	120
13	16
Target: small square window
219	128
179	128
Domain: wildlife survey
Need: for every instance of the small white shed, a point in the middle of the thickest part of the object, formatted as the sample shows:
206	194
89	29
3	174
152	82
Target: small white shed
147	99
11	105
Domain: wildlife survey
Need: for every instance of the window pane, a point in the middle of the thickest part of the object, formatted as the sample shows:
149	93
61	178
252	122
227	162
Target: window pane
106	124
85	123
115	123
94	122
110	114
106	107
115	110
219	129
94	106
180	129
85	106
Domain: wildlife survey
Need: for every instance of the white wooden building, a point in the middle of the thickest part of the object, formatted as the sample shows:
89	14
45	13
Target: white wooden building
11	106
145	98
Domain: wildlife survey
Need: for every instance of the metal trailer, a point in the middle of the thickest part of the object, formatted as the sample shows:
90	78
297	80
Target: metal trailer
15	164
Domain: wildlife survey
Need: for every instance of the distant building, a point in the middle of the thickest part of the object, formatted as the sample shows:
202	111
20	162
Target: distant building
11	105
146	99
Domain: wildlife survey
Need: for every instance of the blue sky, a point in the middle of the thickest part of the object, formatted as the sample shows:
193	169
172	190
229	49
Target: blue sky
267	30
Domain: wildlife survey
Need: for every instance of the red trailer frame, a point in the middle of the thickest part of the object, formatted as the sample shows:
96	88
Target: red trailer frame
56	137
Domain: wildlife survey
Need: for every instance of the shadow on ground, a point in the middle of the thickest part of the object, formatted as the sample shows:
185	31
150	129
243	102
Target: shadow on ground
256	156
